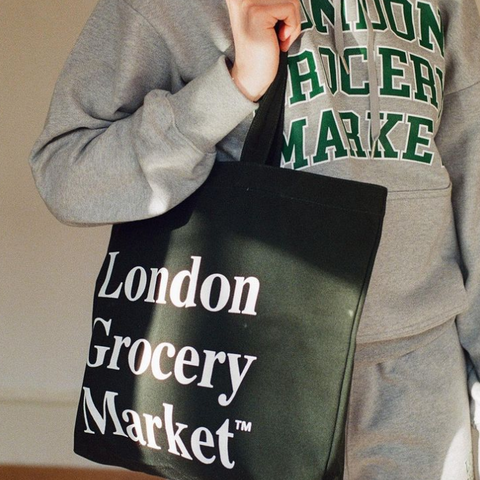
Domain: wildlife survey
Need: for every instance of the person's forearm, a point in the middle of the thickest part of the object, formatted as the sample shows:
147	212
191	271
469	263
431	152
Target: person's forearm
141	165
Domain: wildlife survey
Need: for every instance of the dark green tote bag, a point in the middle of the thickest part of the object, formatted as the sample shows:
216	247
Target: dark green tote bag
224	331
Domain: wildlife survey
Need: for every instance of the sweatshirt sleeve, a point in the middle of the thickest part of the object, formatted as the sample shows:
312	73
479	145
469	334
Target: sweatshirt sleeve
118	144
458	141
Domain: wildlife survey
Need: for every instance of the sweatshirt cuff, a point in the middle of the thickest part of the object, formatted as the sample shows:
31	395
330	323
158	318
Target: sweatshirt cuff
474	390
210	106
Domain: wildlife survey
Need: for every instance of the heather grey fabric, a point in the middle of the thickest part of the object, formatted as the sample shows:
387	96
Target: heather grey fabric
409	412
145	105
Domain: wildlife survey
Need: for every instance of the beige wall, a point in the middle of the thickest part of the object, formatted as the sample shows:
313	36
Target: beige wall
47	270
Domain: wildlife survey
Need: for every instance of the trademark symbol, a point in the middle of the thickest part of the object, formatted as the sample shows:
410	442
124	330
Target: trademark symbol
243	426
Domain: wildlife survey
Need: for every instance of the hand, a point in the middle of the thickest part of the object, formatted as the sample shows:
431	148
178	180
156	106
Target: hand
257	46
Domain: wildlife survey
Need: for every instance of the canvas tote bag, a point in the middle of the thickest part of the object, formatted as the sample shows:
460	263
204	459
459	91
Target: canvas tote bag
224	330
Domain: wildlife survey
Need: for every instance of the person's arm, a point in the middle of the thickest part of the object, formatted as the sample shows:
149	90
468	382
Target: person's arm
458	141
118	144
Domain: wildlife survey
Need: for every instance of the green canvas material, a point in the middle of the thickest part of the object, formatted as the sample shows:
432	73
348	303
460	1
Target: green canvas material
224	330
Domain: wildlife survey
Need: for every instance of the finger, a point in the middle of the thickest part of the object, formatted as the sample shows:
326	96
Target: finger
292	20
272	13
292	38
287	38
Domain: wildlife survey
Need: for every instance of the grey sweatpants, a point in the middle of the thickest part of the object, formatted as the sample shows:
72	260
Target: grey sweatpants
409	414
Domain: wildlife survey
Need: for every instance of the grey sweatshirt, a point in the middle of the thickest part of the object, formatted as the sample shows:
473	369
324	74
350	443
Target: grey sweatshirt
145	104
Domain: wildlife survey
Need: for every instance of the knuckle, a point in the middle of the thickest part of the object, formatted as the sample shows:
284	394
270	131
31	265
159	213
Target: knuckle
249	4
294	6
250	8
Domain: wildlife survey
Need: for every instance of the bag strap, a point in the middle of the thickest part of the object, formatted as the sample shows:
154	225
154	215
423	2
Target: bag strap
263	143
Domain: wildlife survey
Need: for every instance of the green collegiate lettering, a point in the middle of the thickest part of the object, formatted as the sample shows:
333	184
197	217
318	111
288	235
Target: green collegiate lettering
407	14
329	138
421	81
307	24
382	22
295	144
415	139
389	72
353	134
362	24
322	9
430	24
439	73
345	25
331	75
346	78
298	79
387	150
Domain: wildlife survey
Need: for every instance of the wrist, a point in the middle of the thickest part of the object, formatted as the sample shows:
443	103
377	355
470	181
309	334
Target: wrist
247	91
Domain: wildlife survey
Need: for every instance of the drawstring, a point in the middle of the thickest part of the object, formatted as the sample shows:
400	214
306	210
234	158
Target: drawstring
372	69
339	41
372	80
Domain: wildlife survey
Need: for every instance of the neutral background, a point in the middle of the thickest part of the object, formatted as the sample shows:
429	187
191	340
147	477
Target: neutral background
47	270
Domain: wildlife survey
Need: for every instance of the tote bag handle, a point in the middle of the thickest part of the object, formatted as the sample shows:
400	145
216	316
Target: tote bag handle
263	143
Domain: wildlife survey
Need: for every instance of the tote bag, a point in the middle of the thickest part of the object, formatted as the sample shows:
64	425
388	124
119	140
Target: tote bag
223	331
